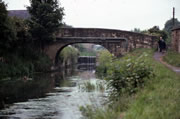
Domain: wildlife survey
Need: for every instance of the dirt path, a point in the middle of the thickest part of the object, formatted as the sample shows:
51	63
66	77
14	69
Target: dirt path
158	56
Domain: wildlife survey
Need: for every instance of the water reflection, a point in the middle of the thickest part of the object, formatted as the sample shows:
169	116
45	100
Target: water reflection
17	90
63	100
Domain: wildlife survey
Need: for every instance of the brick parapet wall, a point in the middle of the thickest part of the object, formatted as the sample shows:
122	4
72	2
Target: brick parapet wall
175	43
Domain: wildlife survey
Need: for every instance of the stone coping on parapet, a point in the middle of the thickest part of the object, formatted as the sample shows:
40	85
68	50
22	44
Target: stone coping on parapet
108	29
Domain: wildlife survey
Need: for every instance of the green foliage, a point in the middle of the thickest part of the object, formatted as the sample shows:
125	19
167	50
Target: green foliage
115	110
46	18
104	60
159	99
92	112
7	33
79	47
22	33
18	52
14	67
42	64
169	25
157	32
127	75
84	51
172	58
69	54
89	86
18	66
4	12
64	25
87	53
136	30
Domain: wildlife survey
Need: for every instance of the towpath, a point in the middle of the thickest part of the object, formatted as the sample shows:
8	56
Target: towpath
159	57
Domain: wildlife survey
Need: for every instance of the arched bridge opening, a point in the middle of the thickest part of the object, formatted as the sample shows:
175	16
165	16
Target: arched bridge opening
78	55
116	46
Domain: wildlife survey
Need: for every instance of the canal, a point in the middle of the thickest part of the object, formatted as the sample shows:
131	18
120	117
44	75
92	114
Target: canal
66	93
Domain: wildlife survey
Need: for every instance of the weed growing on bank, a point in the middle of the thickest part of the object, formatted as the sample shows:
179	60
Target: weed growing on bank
15	65
90	86
172	58
156	98
127	75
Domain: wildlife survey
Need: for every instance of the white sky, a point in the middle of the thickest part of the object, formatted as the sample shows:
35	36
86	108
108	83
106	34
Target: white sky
113	14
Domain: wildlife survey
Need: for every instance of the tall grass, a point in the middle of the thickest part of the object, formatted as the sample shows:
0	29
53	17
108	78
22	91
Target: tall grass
172	58
158	99
89	86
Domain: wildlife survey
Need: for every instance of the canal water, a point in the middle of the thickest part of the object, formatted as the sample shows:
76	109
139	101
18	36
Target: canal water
63	101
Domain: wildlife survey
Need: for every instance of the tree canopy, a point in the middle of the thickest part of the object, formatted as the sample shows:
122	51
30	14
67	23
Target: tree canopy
46	18
7	33
169	25
155	30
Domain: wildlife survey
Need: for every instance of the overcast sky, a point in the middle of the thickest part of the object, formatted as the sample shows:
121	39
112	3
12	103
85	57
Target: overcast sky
113	14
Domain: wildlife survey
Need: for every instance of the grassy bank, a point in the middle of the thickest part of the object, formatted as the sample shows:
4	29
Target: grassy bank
172	58
158	99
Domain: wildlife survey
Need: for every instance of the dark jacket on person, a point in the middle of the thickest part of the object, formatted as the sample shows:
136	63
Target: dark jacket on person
162	44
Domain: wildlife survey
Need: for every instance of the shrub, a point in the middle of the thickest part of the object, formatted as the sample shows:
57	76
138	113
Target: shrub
42	64
18	66
15	66
128	75
104	60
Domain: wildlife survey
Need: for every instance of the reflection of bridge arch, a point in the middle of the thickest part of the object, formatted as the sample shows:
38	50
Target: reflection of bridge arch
116	41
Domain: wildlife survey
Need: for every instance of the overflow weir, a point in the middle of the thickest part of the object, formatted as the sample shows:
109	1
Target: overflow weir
86	62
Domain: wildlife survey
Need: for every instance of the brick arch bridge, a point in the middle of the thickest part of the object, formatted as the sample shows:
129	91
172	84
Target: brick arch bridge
118	42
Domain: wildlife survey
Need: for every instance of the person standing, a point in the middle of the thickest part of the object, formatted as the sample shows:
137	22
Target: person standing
161	45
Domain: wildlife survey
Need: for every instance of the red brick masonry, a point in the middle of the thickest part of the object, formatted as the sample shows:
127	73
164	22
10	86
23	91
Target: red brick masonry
176	39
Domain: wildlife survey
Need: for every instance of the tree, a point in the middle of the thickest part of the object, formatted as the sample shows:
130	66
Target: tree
66	26
154	29
69	56
24	41
7	32
46	18
169	25
136	30
157	32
